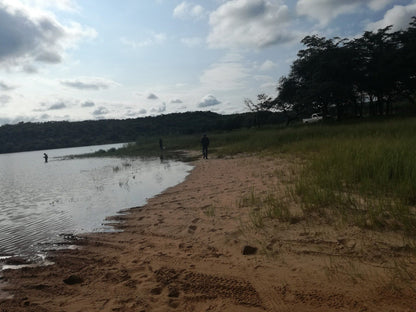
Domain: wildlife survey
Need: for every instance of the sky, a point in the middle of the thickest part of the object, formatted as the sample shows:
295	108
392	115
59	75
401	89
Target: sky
102	59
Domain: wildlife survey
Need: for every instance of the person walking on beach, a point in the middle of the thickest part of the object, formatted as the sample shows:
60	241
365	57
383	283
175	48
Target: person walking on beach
205	144
45	156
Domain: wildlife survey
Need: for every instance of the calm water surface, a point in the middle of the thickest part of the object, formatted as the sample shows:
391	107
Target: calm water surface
39	201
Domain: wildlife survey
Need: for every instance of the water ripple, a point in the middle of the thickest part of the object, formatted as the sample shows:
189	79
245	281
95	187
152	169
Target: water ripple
40	201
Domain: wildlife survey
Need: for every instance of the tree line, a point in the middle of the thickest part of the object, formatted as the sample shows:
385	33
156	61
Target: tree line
31	136
371	75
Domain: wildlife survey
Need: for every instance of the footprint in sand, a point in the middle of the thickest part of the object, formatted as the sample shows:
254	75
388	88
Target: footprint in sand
191	229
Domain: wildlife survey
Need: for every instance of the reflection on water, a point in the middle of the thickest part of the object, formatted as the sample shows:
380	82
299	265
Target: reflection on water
39	201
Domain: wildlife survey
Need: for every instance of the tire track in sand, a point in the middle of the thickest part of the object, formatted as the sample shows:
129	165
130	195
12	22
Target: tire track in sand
201	287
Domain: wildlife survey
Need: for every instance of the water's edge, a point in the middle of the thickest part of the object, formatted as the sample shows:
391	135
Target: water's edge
69	239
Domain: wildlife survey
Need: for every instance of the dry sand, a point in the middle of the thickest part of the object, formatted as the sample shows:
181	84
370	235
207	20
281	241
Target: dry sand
183	251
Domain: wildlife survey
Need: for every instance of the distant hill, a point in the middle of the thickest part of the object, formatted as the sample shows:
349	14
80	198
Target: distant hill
58	134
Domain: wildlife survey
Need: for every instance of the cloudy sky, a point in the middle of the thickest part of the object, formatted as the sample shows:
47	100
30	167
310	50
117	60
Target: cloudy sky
93	59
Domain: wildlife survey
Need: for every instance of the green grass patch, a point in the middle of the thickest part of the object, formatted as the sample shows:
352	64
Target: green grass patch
264	207
365	176
210	211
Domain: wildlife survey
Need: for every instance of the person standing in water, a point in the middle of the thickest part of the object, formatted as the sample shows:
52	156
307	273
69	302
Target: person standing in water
205	144
45	156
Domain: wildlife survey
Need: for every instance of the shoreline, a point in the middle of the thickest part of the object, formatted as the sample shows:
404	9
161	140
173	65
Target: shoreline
194	248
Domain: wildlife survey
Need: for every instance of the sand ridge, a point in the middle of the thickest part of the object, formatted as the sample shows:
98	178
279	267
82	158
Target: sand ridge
182	251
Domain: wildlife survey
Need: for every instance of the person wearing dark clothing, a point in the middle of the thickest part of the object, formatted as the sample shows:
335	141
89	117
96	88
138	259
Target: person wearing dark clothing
161	144
45	156
205	144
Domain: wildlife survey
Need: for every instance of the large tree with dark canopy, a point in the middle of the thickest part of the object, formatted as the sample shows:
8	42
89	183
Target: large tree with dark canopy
349	78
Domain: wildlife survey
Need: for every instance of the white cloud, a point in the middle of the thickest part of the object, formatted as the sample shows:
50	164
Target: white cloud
181	10
227	74
89	83
181	85
29	69
268	65
30	35
188	10
208	100
176	101
63	5
250	23
399	16
6	87
4	99
75	32
266	81
192	42
152	39
160	109
326	10
377	5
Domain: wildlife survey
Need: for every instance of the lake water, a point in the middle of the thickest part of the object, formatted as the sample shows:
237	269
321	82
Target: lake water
40	201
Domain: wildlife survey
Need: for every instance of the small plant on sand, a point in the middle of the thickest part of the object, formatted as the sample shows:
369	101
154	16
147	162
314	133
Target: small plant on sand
277	208
210	211
256	218
268	206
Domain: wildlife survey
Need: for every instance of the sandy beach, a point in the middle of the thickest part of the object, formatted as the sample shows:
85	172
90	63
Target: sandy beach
201	246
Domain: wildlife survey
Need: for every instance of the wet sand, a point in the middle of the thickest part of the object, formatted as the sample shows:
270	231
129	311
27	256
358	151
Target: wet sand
201	246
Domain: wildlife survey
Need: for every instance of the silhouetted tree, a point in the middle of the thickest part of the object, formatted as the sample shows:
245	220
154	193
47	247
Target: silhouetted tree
260	109
340	77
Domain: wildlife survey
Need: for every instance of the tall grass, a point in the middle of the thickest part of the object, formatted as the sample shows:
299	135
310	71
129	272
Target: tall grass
372	166
367	176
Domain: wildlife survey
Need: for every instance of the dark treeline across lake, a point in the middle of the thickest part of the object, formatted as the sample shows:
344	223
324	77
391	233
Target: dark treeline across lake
60	134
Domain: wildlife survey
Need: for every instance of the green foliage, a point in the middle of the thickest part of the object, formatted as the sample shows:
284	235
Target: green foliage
344	78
